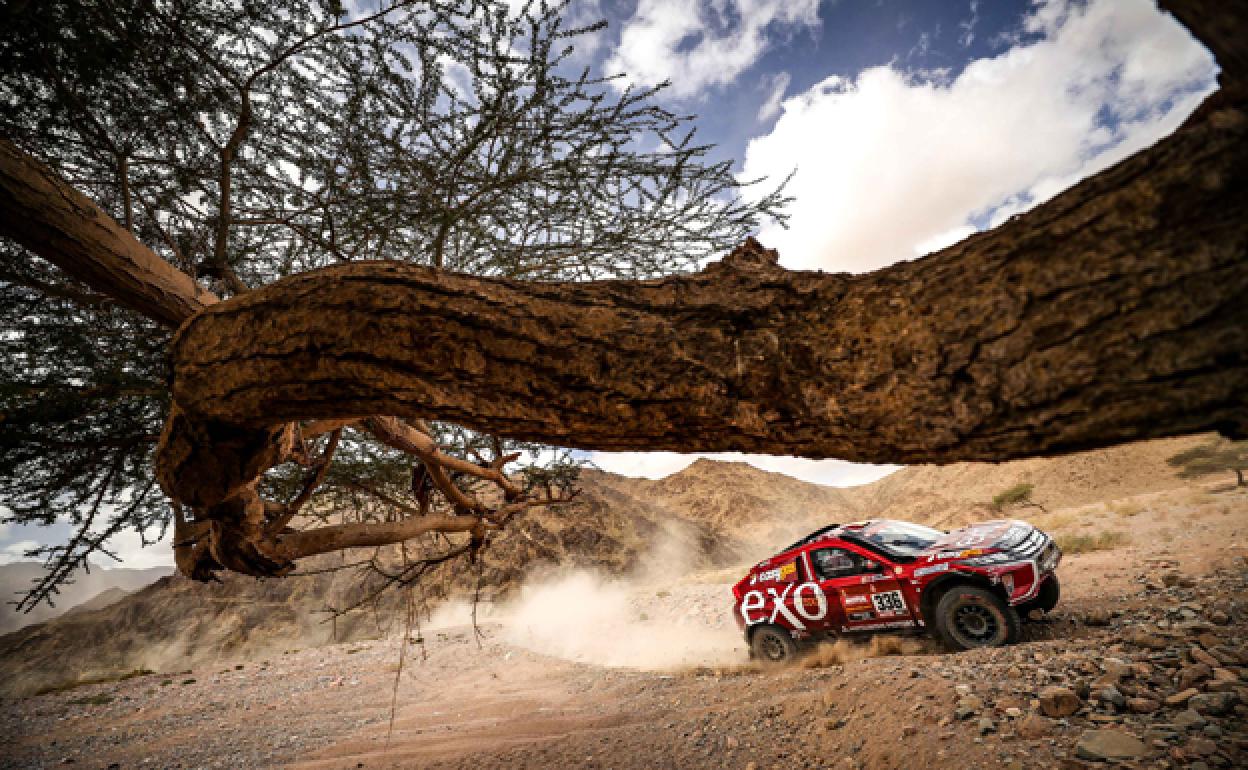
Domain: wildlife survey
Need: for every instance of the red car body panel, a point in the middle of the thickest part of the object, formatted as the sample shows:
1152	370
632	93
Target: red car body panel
787	590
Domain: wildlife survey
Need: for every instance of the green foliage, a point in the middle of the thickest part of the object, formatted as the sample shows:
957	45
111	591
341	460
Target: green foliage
1218	456
247	141
1018	494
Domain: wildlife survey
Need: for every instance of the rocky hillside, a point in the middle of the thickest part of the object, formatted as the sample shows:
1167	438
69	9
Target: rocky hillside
948	495
18	577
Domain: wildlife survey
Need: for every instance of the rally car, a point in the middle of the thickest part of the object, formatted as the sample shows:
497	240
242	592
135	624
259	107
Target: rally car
970	588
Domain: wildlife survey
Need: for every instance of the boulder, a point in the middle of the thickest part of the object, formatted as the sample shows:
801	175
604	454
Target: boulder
1106	744
1058	702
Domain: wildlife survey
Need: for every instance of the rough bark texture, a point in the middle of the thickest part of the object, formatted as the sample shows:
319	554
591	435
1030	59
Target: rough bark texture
48	216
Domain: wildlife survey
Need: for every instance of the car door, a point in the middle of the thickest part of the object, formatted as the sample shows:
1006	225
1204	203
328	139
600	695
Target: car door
867	595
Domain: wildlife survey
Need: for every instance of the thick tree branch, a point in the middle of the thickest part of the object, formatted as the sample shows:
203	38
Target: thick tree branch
46	215
294	545
1112	313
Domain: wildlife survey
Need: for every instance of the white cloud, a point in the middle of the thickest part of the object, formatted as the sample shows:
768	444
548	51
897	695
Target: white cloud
656	465
966	35
891	164
128	547
776	85
700	43
14	552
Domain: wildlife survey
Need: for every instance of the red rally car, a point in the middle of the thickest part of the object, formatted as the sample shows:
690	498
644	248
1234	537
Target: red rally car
969	588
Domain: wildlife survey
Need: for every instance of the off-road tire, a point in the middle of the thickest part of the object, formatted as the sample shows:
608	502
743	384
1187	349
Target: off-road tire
772	646
1045	601
969	616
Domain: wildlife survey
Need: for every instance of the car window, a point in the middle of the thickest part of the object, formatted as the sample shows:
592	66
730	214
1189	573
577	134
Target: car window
835	562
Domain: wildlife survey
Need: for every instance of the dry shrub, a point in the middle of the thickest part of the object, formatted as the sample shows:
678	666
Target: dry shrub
1101	541
1126	508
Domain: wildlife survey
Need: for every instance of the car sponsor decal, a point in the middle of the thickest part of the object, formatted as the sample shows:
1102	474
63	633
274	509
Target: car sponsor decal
932	569
809	601
880	626
781	574
872	578
855	599
857	616
889	603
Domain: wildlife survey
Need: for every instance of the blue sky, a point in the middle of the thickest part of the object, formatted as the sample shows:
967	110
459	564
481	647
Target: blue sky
910	125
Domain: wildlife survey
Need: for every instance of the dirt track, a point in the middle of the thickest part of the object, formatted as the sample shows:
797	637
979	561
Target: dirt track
500	704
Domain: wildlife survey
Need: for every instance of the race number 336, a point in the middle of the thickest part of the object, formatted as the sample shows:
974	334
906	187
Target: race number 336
889	603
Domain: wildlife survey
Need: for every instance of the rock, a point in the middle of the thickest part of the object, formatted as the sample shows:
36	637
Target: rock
1171	579
1180	698
1200	656
1201	747
1144	639
1216	703
1013	712
1190	676
1188	719
1096	617
1112	695
1033	726
1219	617
1105	744
1058	702
987	726
1142	705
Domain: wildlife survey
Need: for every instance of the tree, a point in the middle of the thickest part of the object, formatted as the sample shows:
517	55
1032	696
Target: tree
1217	456
237	143
1111	313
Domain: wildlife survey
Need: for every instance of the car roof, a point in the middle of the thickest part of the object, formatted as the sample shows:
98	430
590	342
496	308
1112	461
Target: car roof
831	530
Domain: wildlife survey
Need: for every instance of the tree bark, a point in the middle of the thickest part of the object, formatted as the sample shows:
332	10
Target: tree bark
52	219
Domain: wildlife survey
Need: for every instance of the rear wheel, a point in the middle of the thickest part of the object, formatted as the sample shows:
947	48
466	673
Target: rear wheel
1045	601
969	616
772	645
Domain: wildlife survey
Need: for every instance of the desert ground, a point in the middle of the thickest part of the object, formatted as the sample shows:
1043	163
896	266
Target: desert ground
1143	664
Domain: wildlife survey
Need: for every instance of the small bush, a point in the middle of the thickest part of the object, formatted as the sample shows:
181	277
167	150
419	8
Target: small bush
99	699
1126	509
1102	541
1019	493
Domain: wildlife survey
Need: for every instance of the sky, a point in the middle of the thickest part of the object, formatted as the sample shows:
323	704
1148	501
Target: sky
908	125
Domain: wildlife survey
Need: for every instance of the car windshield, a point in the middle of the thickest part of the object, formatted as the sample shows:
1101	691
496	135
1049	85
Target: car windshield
902	538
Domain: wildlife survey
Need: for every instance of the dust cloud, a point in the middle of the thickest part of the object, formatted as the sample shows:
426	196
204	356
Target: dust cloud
585	617
844	651
662	617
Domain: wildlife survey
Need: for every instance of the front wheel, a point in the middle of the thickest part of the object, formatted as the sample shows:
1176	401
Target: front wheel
772	645
1046	599
969	616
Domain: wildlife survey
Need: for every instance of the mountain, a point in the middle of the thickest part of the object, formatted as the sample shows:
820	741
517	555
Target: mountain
18	577
711	514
